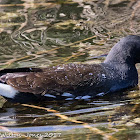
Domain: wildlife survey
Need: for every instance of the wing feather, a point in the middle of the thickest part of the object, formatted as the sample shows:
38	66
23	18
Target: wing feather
55	79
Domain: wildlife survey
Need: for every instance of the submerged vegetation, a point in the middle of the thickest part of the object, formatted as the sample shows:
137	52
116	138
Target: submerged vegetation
40	34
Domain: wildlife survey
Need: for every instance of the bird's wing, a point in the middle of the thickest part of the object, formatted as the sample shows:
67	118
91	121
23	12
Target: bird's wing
54	79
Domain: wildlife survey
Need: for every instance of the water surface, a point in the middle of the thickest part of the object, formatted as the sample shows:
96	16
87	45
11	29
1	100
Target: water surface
46	33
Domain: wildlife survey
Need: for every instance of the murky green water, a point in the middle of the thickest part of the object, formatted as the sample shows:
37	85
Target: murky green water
40	34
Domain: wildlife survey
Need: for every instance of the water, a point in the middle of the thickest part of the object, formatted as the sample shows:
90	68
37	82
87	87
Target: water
40	34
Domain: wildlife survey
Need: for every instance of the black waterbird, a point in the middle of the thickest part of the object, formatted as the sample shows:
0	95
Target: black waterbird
76	81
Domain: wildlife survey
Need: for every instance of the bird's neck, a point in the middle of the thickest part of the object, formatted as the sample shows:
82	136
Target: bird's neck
120	55
126	71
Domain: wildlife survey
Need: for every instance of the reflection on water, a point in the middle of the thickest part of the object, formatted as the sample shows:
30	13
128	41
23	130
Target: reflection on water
34	33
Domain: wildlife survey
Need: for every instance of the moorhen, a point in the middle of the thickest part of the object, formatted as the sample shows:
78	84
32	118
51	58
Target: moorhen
75	81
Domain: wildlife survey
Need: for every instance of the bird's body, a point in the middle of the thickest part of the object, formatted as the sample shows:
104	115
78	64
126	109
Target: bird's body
117	72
